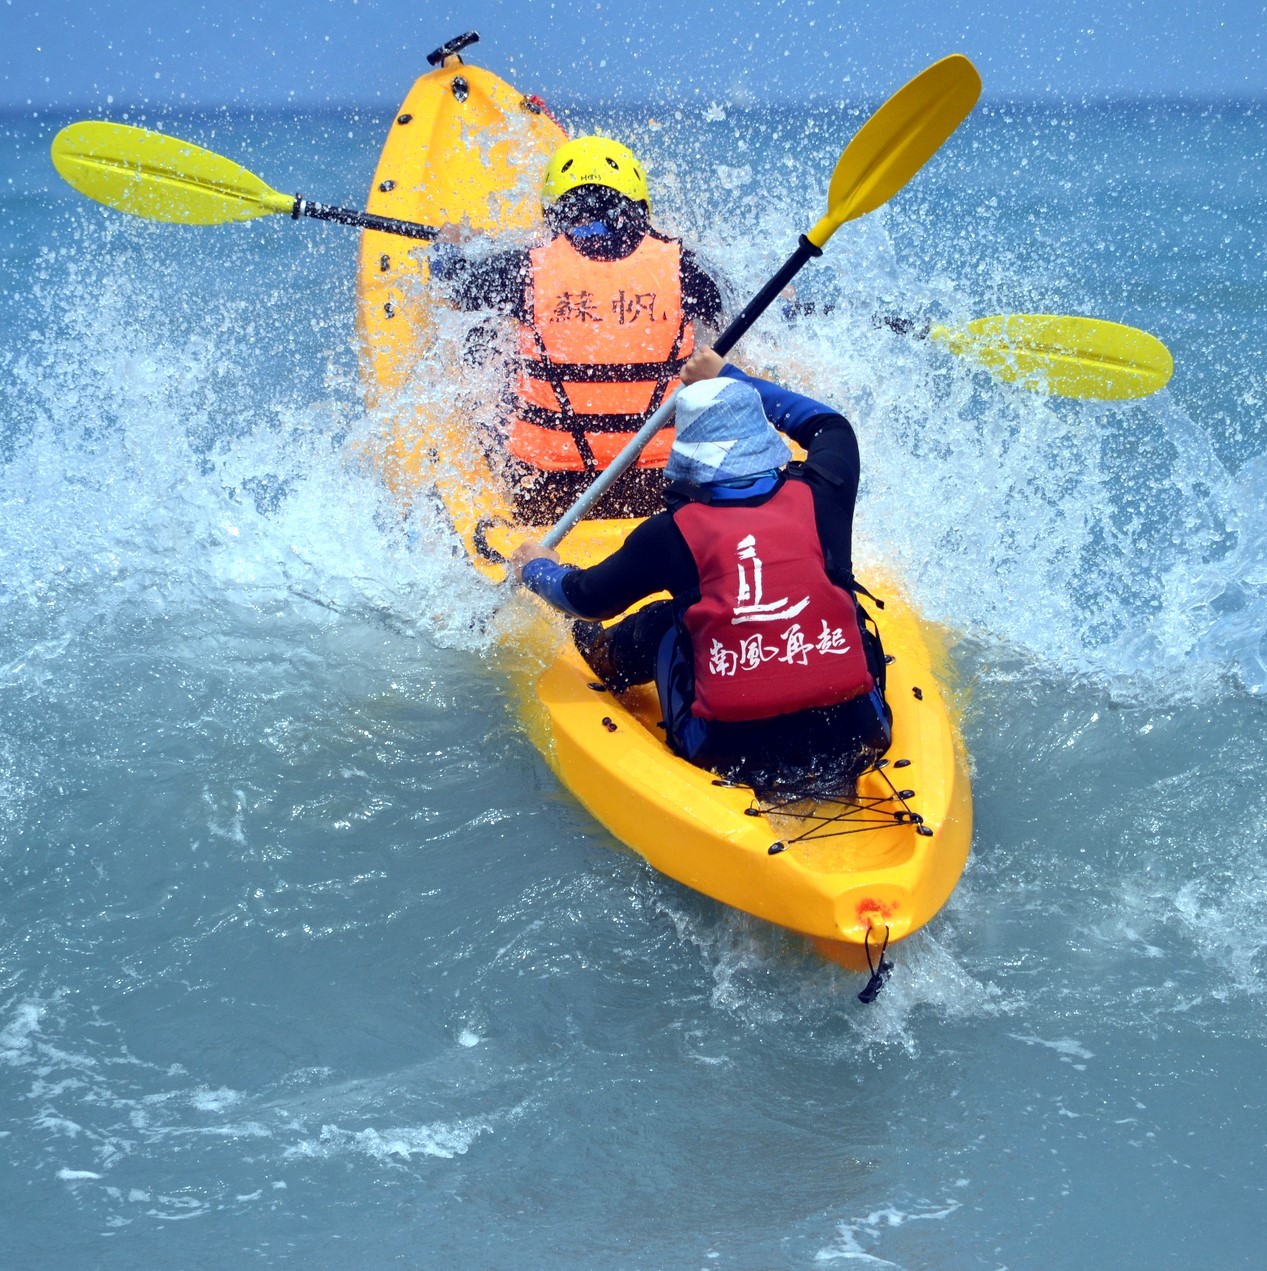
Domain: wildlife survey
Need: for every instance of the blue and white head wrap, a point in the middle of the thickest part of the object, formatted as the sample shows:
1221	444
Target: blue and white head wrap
722	434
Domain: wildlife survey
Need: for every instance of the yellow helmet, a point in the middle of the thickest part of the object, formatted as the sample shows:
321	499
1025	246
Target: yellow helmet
594	161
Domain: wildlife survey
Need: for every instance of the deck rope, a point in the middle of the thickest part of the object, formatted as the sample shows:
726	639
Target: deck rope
854	816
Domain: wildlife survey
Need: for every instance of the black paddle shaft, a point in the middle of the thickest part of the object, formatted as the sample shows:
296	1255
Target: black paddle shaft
366	220
731	336
759	303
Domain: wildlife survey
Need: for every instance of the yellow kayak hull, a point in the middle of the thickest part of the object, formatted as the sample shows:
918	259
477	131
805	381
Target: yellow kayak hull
841	873
887	859
464	148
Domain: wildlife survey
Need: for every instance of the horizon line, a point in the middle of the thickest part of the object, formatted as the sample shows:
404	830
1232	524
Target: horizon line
993	101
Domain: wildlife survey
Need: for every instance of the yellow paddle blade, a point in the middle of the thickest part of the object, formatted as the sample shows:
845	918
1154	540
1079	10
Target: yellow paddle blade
1067	356
892	146
161	178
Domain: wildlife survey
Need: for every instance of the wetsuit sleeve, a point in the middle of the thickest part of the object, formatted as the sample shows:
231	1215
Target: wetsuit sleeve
653	558
493	282
701	297
544	578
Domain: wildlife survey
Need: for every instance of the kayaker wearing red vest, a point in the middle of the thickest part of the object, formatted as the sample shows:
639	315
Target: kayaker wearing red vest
605	312
766	669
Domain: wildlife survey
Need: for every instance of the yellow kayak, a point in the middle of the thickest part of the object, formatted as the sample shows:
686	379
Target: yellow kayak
850	875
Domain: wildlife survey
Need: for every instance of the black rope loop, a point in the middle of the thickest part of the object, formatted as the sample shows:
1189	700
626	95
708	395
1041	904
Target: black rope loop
880	973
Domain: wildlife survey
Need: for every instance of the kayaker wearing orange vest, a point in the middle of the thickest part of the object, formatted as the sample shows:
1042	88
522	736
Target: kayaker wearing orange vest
765	668
605	314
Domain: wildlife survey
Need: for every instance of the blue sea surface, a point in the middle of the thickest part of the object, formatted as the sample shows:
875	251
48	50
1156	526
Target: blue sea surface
307	959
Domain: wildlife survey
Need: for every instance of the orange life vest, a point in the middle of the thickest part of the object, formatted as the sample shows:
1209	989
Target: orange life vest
603	351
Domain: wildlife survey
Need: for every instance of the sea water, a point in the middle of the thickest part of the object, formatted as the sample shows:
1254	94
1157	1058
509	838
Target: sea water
306	959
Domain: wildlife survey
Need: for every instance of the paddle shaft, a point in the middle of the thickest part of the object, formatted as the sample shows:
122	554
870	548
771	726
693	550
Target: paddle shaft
365	220
805	251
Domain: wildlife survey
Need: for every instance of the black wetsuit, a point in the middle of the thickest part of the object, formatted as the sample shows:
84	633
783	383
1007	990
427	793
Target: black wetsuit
649	644
655	556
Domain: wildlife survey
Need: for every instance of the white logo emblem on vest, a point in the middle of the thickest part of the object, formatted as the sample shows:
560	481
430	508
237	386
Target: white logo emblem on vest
749	607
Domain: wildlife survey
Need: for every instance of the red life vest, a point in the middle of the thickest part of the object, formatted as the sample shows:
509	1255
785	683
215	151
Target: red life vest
603	350
770	633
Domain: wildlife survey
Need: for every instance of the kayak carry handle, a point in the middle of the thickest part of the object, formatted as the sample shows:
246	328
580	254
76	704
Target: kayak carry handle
455	46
